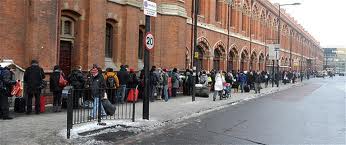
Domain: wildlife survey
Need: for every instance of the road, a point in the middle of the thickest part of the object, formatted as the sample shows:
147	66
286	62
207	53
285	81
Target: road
311	114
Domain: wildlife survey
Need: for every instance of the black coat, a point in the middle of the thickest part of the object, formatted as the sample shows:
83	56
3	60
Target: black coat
132	84
123	77
7	81
97	85
33	77
54	82
76	79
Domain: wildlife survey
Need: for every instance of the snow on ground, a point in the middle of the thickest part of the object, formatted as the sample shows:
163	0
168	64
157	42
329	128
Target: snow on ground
163	114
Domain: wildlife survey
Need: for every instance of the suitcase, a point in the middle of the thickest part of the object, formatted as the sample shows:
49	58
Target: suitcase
108	106
202	91
42	104
247	88
133	95
19	105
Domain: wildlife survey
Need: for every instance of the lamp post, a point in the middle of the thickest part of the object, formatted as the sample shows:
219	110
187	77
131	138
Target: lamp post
279	36
229	3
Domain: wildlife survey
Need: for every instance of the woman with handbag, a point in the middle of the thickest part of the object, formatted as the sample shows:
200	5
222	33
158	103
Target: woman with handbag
56	88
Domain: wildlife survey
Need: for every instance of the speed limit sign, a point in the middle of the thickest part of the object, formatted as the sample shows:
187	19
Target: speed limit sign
149	41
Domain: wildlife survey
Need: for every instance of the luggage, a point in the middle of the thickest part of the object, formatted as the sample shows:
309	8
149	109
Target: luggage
42	104
108	106
19	105
246	88
202	91
133	95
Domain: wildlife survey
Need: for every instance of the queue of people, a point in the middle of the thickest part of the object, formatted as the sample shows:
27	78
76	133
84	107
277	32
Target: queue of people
116	85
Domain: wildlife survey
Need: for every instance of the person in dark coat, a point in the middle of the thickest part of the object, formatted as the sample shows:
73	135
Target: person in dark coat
77	81
258	81
55	88
97	86
175	82
7	81
33	82
123	77
133	80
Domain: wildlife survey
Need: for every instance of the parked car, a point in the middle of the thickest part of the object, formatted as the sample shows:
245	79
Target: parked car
342	74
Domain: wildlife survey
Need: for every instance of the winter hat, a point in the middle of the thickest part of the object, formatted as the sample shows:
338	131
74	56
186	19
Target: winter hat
56	67
94	71
165	70
132	70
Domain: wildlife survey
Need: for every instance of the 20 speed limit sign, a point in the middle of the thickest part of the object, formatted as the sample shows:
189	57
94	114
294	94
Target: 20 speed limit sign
149	41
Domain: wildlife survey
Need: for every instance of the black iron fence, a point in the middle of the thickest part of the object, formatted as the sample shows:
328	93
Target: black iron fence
83	105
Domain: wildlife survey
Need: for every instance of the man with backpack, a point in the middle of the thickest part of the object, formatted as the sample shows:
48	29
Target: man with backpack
6	83
112	83
33	81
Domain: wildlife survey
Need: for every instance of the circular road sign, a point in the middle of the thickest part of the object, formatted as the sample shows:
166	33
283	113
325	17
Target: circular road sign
149	41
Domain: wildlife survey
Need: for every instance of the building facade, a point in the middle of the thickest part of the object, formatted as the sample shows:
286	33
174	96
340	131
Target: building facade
110	33
330	57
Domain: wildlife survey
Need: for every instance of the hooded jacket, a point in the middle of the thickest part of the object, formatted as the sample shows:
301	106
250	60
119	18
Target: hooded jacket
114	75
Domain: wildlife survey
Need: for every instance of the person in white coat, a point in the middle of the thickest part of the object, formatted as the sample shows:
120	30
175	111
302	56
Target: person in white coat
218	87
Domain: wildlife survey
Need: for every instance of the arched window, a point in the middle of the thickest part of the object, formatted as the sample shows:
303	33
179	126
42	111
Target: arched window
109	41
217	58
231	56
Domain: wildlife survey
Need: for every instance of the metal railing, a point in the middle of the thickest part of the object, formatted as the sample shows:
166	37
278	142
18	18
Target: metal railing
83	106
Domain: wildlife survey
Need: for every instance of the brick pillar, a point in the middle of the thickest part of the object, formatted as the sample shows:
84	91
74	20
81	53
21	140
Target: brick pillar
97	28
41	33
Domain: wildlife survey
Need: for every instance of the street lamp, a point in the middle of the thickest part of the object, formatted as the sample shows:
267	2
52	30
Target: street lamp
279	36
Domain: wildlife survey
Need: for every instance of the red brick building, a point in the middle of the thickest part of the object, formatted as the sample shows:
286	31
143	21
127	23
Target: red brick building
110	33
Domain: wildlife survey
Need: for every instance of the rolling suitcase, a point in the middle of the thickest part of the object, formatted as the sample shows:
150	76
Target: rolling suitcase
108	106
19	105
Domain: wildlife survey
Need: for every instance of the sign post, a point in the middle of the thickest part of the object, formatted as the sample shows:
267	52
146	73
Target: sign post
274	53
149	10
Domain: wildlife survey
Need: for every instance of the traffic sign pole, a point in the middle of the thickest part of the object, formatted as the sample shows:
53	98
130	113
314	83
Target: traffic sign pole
146	73
150	9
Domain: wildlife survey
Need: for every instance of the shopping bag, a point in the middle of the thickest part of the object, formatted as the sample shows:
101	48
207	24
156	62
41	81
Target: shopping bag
17	89
133	95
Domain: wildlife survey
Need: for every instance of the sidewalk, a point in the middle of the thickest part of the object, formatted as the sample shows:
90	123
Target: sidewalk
49	128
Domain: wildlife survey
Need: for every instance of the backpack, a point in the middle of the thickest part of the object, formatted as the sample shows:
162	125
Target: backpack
111	82
131	78
154	78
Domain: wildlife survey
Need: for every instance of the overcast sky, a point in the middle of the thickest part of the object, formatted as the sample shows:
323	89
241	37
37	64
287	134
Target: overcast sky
325	20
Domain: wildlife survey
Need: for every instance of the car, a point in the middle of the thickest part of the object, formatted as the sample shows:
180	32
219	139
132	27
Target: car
320	74
341	74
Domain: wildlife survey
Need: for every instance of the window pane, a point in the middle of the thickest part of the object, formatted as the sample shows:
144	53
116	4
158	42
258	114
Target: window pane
67	27
109	41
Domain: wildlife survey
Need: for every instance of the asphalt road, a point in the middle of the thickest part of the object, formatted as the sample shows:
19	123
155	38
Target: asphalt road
311	114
